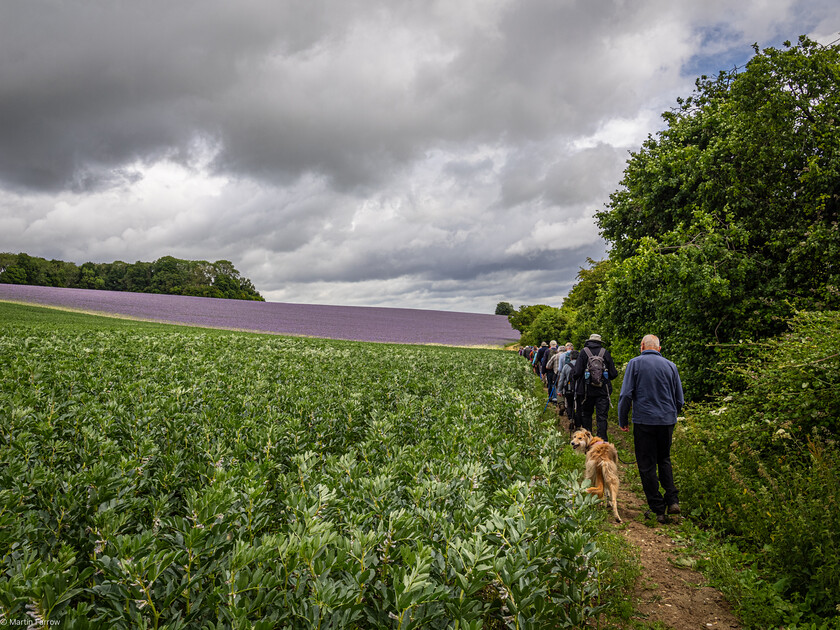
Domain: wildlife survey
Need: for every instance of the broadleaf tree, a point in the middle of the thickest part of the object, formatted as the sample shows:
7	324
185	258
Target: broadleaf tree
726	222
522	318
505	308
550	324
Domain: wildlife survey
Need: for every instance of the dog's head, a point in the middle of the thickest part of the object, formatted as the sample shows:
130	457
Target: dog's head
581	439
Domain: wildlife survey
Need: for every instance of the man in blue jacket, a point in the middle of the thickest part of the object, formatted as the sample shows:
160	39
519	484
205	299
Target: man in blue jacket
652	387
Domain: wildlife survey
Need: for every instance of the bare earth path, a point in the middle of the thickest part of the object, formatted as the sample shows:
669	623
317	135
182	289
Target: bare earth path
676	596
673	595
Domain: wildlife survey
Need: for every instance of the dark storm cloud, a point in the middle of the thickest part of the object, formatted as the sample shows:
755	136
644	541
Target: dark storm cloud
284	89
87	85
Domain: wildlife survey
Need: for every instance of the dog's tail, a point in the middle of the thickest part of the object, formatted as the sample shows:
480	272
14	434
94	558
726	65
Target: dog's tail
609	474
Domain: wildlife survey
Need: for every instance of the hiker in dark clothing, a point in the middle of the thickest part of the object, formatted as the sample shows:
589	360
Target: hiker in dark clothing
593	393
538	360
566	386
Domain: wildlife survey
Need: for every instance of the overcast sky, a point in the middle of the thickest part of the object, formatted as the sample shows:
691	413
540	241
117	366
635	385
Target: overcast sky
437	154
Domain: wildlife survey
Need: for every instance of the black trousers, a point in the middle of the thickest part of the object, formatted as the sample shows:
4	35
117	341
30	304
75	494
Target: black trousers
550	377
570	409
600	404
653	452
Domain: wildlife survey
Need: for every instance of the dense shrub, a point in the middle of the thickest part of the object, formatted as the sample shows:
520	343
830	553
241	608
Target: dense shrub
763	464
550	324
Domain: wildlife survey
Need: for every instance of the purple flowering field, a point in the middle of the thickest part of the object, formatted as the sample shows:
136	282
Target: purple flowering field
357	323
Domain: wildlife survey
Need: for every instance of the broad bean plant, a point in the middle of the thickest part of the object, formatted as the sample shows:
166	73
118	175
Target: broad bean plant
167	479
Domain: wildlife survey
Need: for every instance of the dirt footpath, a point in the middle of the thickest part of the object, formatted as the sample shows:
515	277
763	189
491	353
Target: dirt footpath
676	596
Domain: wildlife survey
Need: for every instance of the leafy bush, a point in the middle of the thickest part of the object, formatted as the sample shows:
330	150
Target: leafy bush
763	464
726	222
155	477
524	317
505	308
550	324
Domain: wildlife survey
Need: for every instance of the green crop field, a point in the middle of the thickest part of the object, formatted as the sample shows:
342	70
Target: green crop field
160	476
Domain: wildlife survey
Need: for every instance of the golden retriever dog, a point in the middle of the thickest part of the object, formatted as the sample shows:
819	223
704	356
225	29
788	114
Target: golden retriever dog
601	466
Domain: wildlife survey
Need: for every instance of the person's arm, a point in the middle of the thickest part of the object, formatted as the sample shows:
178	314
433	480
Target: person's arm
564	376
611	369
580	365
679	399
625	398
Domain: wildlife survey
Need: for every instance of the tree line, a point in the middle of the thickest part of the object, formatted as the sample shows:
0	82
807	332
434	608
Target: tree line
168	275
725	224
724	240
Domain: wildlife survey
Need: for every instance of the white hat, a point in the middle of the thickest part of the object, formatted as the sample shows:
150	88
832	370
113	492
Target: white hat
594	337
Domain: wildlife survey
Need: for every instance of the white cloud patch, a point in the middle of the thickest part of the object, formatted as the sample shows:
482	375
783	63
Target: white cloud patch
621	132
557	236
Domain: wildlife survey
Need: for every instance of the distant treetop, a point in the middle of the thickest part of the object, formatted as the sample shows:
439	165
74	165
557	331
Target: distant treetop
505	308
165	275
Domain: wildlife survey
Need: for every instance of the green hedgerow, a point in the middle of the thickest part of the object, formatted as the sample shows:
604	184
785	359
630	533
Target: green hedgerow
763	464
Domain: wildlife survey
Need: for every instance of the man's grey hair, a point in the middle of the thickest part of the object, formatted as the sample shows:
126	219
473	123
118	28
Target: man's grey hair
650	342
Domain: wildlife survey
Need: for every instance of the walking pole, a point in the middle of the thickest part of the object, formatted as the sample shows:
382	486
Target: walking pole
549	396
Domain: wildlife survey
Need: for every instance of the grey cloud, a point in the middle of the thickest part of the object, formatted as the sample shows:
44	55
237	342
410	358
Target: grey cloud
109	85
105	83
582	176
480	293
558	181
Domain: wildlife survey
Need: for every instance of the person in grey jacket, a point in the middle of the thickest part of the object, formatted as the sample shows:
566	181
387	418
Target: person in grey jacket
566	385
652	387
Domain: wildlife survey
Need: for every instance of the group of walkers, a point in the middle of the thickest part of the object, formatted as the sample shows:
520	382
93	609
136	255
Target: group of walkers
581	384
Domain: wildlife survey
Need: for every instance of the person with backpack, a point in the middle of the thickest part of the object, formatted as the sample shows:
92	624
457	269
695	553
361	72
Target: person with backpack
538	360
594	371
653	389
566	386
564	356
569	347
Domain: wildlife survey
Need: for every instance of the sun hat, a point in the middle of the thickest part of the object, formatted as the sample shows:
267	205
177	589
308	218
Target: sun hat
594	337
